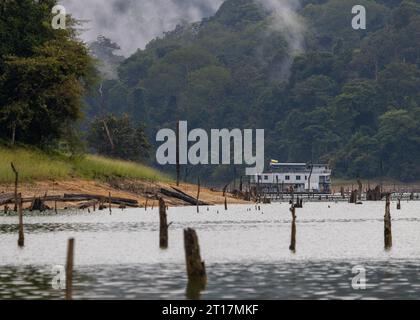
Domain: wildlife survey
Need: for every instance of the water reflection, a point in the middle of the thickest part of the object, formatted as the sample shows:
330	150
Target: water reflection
247	254
312	280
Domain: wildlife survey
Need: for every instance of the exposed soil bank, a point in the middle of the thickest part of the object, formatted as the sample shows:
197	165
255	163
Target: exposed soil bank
134	189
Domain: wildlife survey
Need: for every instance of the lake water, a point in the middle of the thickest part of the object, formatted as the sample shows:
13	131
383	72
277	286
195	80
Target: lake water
246	253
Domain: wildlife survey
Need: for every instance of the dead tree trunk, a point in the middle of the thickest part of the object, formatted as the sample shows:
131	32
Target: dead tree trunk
69	269
178	166
226	207
359	193
293	233
353	196
109	203
163	233
198	195
399	204
16	184
196	269
387	224
21	239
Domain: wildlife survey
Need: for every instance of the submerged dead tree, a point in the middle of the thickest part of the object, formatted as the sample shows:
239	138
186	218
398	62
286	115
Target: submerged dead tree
293	233
359	191
163	231
16	184
374	195
198	195
196	269
178	166
387	224
69	269
21	239
353	196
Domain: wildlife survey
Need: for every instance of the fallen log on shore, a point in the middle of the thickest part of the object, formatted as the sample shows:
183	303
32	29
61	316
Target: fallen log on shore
7	199
182	196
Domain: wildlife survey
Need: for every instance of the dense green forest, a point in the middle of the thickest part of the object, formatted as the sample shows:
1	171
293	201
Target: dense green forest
322	91
43	76
347	97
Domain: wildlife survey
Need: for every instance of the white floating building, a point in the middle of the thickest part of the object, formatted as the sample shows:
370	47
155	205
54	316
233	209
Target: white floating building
296	177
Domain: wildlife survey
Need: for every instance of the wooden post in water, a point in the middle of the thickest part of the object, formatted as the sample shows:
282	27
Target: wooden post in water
226	204
16	184
387	224
196	269
178	167
198	195
163	230
353	196
293	233
360	190
21	239
69	269
109	203
399	204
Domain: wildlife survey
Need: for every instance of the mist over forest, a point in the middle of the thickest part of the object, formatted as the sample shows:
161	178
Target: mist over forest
323	91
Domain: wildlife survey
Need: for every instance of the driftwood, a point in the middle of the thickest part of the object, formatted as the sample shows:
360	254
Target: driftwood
6	198
179	194
38	203
89	204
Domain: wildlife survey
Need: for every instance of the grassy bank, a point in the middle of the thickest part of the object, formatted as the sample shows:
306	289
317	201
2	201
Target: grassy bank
34	165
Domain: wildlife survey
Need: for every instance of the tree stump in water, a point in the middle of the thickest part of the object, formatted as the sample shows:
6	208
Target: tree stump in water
163	231
387	224
293	233
21	239
374	195
359	191
69	269
353	196
38	205
196	269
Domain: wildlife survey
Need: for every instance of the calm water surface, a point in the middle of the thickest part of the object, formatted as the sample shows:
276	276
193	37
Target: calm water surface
246	252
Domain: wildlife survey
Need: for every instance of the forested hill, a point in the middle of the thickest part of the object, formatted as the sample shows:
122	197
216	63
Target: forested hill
321	90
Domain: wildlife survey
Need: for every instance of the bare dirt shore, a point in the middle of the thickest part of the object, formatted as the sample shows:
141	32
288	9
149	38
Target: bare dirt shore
132	189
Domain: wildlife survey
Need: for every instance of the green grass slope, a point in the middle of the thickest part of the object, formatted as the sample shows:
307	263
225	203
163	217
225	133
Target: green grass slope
35	165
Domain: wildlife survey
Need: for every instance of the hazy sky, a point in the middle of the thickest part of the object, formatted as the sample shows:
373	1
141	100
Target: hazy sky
133	23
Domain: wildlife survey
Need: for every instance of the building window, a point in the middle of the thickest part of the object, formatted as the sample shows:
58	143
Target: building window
306	177
287	178
298	178
265	177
